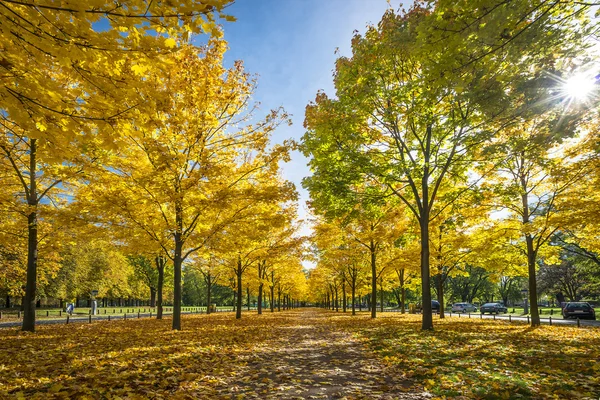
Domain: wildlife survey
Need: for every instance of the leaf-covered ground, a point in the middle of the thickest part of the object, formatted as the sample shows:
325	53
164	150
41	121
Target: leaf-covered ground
296	354
299	354
485	359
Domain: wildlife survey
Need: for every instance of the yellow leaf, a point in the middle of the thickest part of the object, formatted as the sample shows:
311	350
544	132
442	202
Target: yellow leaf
170	42
41	127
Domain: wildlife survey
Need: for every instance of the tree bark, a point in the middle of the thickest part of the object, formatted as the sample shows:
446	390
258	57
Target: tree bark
32	244
337	304
239	271
152	297
248	297
272	303
533	298
344	295
353	295
441	295
373	281
177	263
160	266
381	293
427	321
279	297
208	292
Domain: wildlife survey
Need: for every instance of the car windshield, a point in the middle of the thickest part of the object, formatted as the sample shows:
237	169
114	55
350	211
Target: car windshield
490	304
578	305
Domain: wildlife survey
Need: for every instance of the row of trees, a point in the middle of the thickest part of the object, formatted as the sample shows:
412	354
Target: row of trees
114	126
456	140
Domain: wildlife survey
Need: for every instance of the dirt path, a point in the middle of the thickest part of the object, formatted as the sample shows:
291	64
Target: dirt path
312	359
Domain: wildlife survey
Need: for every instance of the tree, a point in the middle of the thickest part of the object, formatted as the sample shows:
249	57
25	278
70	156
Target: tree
409	112
66	83
187	167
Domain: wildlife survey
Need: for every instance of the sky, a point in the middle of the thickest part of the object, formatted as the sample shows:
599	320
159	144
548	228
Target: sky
290	45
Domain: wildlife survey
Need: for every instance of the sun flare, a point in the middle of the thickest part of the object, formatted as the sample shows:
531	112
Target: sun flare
579	87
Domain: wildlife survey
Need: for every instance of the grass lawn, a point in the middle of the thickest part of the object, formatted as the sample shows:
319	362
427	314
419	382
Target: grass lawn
41	313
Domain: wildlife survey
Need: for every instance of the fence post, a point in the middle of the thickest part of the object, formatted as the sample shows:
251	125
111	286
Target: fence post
90	318
109	317
19	315
494	317
509	318
550	320
0	314
480	316
60	313
578	323
469	315
552	311
138	315
150	313
47	313
67	319
125	316
528	319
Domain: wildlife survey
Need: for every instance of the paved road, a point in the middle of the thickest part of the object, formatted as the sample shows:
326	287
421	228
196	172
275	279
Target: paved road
543	320
82	319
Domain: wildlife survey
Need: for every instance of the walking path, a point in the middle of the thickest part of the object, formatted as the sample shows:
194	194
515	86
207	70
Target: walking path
312	359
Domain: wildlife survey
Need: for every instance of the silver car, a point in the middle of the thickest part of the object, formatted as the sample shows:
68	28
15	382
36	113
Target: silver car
463	307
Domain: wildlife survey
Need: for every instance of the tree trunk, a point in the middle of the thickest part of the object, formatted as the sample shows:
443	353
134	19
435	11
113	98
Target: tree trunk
152	297
260	298
373	281
533	299
279	297
381	293
272	303
337	304
160	266
208	292
344	296
177	263
248	297
440	293
427	321
403	292
238	272
32	244
353	295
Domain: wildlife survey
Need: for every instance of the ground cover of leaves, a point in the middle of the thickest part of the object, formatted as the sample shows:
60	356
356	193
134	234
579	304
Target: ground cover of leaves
485	359
300	354
295	354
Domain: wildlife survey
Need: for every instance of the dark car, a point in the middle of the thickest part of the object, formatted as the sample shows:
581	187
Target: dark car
435	307
493	308
579	310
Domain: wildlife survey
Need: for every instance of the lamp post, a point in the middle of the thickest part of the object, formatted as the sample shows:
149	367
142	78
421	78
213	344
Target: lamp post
524	292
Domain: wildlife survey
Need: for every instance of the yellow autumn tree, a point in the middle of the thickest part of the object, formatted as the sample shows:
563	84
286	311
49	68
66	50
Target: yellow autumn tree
188	159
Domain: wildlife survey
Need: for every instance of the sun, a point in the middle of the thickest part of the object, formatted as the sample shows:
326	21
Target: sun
580	87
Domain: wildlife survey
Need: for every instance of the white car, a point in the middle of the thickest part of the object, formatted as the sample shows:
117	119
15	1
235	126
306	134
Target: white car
463	307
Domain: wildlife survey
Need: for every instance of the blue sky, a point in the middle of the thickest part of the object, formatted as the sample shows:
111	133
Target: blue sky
290	44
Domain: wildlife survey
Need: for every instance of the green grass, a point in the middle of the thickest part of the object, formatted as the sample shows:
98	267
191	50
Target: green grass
49	313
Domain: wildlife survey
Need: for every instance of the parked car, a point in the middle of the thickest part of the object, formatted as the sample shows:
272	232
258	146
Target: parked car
579	310
463	307
435	307
493	308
